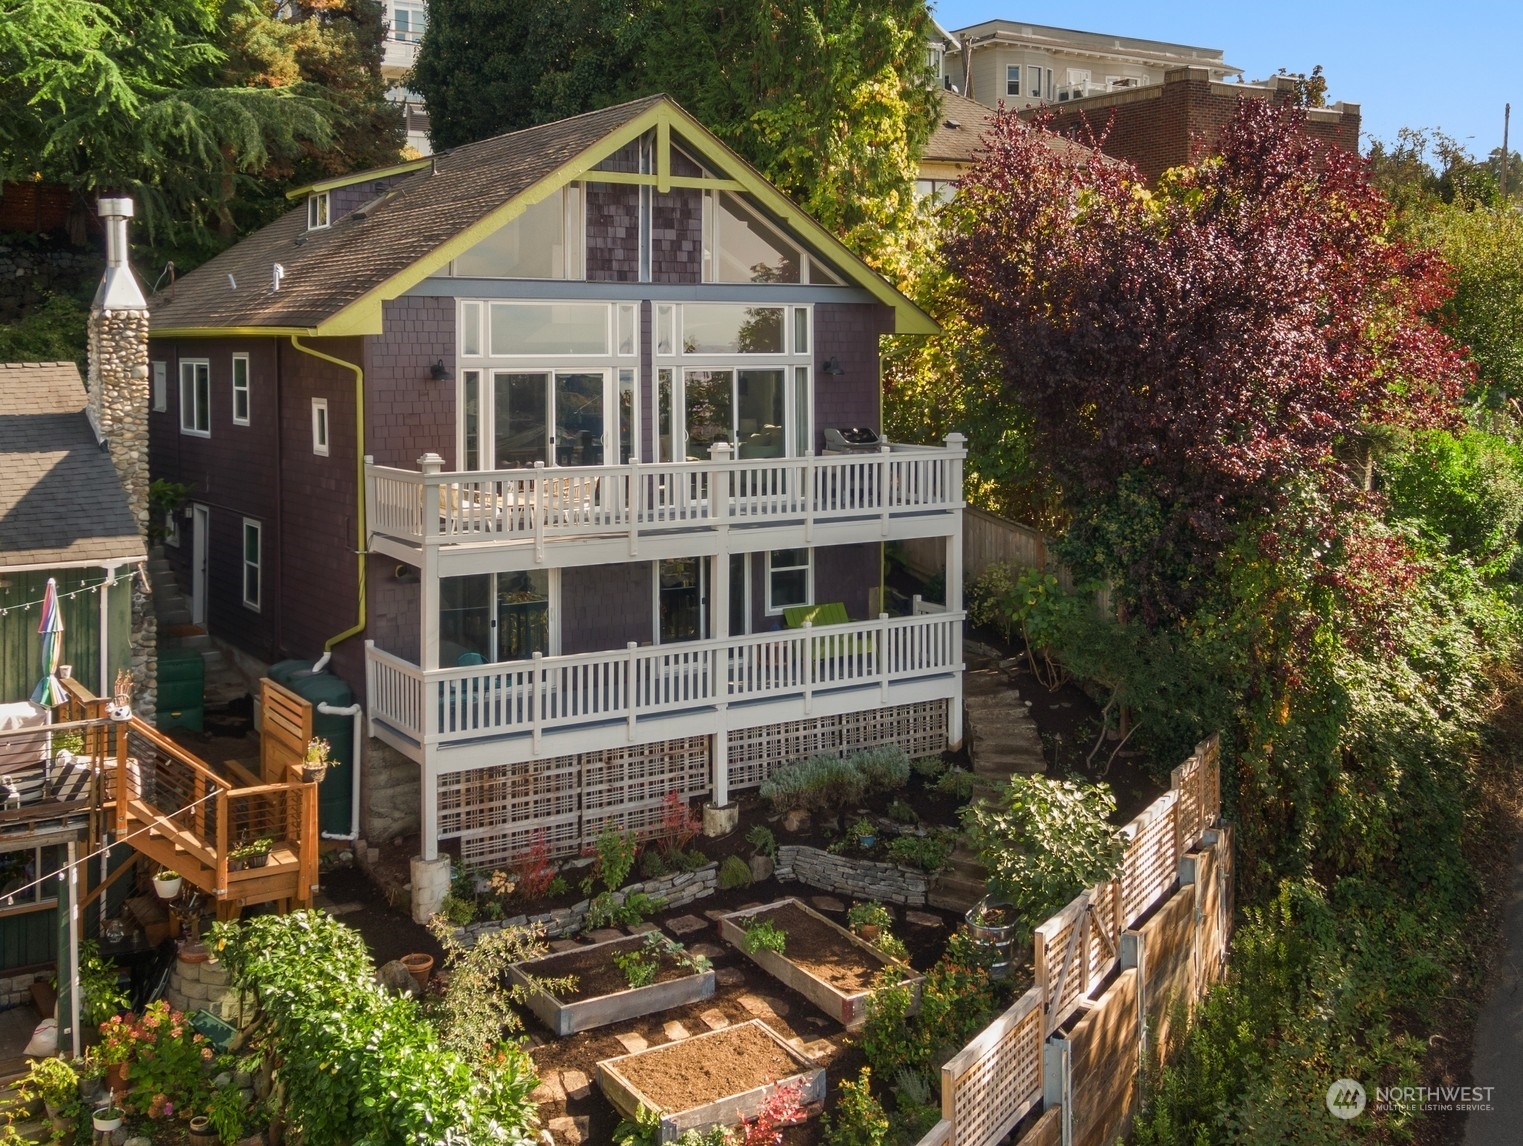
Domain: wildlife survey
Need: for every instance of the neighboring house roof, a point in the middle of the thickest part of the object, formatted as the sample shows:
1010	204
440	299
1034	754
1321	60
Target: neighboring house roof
336	278
61	501
960	128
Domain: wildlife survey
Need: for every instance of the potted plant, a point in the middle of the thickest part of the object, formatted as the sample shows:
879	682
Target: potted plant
865	832
118	1038
55	1082
166	883
255	854
121	695
107	1118
318	760
92	1078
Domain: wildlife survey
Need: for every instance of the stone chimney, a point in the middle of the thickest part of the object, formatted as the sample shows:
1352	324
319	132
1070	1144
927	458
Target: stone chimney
118	409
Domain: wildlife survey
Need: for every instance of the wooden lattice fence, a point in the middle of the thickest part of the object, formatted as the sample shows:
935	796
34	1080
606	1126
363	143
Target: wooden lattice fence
1176	874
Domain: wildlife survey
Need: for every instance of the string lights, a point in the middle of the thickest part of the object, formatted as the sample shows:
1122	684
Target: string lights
84	587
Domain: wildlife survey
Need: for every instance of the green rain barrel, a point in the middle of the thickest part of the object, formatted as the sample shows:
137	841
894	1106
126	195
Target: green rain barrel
181	682
335	794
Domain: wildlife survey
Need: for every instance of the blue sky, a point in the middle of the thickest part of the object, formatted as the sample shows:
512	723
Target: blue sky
1450	66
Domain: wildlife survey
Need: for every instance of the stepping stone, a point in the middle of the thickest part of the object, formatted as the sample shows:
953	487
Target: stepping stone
776	1006
715	1020
564	944
343	908
548	1090
576	1084
753	1005
819	1049
642	928
604	934
570	1129
675	1031
728	976
922	919
708	950
685	925
827	903
816	1021
632	1041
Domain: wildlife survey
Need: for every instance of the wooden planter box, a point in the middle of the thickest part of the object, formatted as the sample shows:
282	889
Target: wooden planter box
847	1008
729	1110
583	1014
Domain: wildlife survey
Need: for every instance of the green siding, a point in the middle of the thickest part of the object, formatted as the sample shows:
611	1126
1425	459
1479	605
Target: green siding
20	666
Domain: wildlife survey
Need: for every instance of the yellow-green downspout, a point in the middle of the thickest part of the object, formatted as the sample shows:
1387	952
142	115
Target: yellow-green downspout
359	484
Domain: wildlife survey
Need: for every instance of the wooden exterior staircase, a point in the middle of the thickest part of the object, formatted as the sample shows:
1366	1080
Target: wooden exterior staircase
186	815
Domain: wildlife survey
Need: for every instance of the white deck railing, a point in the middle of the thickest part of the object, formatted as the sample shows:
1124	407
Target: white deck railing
545	693
433	507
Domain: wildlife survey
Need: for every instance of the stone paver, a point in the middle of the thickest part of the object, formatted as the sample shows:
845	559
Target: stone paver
548	1090
708	950
819	1049
922	919
564	944
685	925
675	1031
570	1129
576	1084
642	928
715	1019
827	903
753	1005
632	1041
728	976
604	934
714	915
776	1006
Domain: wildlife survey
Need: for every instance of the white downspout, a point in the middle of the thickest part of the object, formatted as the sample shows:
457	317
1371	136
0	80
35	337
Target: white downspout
353	711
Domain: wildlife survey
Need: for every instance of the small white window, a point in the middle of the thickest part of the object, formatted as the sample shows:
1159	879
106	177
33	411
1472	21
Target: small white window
790	579
240	389
320	426
160	387
172	529
1013	80
317	210
470	329
196	397
253	547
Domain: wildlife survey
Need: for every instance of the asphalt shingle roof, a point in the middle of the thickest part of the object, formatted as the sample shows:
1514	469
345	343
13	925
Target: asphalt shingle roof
961	125
60	498
326	270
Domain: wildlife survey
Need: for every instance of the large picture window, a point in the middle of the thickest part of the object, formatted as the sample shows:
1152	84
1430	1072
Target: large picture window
196	397
22	886
490	617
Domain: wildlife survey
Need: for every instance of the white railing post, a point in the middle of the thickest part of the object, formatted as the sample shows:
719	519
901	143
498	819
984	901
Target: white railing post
883	498
371	675
432	508
883	660
371	508
536	505
807	629
635	504
631	685
719	486
956	451
536	699
810	493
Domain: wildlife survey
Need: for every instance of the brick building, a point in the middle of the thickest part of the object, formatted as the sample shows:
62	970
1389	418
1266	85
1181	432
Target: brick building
1164	125
530	437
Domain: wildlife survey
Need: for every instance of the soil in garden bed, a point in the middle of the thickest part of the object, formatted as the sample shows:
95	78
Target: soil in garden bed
823	952
596	973
690	1073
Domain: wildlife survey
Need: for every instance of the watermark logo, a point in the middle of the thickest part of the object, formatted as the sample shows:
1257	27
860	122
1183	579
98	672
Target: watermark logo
1346	1098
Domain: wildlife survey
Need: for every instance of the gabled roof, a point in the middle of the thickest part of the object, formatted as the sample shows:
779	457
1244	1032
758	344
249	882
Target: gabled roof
960	128
61	502
336	278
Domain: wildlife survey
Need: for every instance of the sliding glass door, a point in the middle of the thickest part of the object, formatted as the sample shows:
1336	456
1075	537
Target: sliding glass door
493	617
553	417
746	408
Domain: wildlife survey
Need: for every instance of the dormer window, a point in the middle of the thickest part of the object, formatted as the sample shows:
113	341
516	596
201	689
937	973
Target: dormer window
317	210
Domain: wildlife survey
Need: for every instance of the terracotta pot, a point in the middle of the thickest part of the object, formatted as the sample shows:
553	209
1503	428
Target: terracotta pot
419	966
870	932
201	1132
116	1077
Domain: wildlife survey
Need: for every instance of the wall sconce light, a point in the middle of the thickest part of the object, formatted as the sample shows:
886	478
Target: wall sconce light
832	367
439	372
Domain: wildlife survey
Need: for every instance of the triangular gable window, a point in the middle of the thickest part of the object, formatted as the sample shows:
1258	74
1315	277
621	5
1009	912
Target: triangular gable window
545	242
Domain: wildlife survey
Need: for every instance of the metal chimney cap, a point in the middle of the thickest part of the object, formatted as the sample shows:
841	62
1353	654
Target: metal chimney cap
109	208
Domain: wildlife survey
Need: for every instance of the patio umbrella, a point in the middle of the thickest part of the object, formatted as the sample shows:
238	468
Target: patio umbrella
48	691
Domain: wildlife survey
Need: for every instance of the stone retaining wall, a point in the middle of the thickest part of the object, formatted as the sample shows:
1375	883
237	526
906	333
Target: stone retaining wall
858	878
18	988
676	890
204	987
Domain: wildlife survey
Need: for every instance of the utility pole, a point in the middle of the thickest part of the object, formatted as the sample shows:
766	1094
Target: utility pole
1506	121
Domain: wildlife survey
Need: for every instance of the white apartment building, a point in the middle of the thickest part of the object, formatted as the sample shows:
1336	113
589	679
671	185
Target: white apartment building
405	21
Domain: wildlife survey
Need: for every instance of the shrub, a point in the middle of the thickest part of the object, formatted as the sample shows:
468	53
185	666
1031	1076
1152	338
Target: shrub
734	872
678	826
639	969
458	910
1045	841
885	769
929	853
859	1119
928	766
822	783
652	864
615	858
605	911
764	935
902	813
475	1012
957	783
762	841
532	873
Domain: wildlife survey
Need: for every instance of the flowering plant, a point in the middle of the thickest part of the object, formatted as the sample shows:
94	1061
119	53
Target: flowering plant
319	753
167	1056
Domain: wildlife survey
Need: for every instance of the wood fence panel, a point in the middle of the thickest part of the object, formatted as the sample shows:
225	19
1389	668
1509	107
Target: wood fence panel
1060	960
993	1082
1046	1131
1211	938
1168	973
1104	1065
1151	864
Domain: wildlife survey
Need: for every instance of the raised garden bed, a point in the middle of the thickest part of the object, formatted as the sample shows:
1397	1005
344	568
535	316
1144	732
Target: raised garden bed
828	965
601	994
714	1079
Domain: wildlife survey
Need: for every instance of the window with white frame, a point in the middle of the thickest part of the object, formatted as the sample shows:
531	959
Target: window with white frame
739	246
790	579
160	387
196	397
240	389
23	886
253	556
1034	82
1013	79
320	426
318	206
546	241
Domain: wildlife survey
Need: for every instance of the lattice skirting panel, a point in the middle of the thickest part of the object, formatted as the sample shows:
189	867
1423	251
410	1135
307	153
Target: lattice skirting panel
920	729
500	812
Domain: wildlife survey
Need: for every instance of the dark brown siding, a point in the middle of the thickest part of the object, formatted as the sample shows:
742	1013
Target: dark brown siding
848	333
613	233
676	237
394	620
845	573
407	414
605	607
233	473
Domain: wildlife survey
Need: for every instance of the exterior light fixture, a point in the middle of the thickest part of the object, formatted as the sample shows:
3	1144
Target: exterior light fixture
832	367
439	372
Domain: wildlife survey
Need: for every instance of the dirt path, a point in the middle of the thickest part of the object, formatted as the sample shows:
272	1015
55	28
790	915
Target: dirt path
1498	1059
